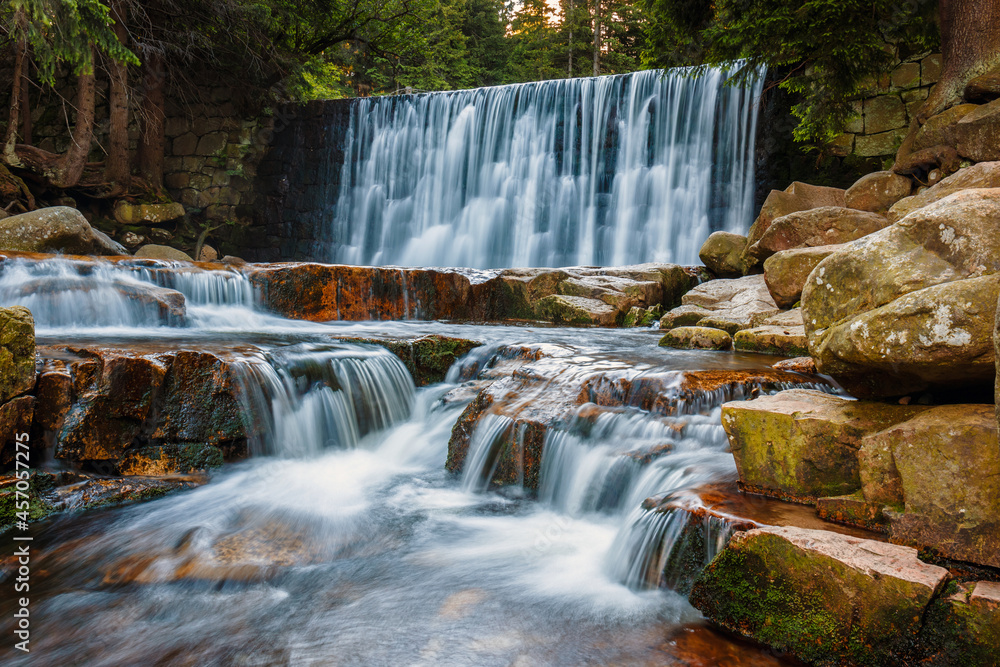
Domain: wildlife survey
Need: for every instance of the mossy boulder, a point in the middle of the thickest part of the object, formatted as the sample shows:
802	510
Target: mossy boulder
170	459
58	229
781	334
697	338
786	272
562	309
17	352
722	253
802	444
796	197
127	213
908	308
164	252
823	597
978	133
936	478
963	628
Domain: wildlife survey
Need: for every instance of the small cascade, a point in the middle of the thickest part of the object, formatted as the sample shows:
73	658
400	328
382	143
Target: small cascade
669	547
601	171
64	293
310	397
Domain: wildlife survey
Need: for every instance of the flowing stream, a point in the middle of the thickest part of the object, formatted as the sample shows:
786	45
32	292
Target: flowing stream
342	540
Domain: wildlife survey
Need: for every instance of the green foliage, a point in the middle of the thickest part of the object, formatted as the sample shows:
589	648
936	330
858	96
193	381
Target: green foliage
829	51
64	33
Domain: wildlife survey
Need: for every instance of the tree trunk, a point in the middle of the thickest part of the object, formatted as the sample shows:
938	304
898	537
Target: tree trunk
26	128
69	167
569	19
20	50
970	46
117	169
597	37
152	143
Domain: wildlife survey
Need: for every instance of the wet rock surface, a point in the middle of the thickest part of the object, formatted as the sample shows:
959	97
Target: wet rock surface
801	445
570	296
697	338
823	597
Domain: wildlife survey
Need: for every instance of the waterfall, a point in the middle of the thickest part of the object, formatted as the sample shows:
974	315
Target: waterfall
64	293
606	170
310	397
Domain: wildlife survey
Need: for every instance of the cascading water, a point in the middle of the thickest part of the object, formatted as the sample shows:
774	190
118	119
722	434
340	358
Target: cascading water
64	293
597	171
311	397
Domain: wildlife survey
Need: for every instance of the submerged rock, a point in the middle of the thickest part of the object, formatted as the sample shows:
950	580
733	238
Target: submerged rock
823	597
697	338
801	444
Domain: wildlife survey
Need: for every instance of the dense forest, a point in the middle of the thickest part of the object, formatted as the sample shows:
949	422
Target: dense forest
824	53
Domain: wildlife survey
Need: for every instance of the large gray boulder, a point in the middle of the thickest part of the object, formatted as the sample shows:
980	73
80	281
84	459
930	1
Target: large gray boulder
912	306
59	229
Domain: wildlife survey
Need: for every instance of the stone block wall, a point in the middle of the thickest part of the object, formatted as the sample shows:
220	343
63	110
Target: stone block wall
883	118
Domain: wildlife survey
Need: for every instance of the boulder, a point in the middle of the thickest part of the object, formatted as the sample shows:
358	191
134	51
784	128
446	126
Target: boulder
722	254
58	229
825	598
153	251
803	444
697	338
803	365
827	225
782	335
105	245
873	321
940	130
786	272
978	133
796	197
17	352
723	304
985	87
147	214
878	191
982	175
943	494
963	628
208	254
940	336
